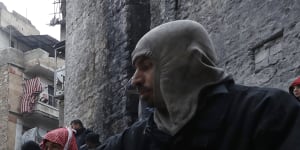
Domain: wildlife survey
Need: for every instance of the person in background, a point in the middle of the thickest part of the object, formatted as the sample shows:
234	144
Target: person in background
197	105
59	139
294	88
80	133
91	141
30	145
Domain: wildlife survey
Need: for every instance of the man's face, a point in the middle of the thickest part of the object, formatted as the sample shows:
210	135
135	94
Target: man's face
296	91
75	126
143	78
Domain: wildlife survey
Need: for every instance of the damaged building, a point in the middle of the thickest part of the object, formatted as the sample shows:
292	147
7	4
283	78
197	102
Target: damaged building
28	108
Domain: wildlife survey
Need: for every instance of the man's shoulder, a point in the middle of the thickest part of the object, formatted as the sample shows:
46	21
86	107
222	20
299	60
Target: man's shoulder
138	125
258	90
263	94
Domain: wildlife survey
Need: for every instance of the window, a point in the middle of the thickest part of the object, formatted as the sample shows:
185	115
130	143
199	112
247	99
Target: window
12	44
52	100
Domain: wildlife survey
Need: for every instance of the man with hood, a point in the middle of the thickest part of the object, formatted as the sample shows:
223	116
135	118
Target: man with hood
294	88
196	104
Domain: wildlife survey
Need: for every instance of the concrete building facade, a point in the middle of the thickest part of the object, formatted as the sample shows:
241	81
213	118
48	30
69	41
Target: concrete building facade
25	55
22	24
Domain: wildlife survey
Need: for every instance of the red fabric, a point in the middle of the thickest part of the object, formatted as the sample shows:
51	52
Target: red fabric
28	99
60	136
296	82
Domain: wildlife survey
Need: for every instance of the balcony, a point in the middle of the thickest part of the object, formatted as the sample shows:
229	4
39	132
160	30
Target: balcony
38	63
43	113
46	109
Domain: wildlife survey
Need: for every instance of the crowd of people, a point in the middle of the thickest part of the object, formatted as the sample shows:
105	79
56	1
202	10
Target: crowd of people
195	104
76	137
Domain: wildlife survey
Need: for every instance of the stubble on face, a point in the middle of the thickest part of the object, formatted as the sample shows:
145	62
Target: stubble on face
148	100
143	79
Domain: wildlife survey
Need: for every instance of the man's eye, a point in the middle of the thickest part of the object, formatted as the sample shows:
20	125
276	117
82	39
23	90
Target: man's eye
146	66
143	67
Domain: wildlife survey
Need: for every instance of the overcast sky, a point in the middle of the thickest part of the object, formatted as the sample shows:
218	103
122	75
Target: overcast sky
39	12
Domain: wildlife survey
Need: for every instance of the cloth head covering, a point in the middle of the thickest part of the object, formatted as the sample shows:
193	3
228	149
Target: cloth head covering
61	136
294	83
184	63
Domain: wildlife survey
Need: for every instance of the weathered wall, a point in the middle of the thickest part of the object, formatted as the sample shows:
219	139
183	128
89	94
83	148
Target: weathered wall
11	131
100	36
22	24
257	42
15	88
11	55
15	91
3	107
8	99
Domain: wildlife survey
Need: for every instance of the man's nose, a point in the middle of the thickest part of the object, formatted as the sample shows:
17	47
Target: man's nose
130	89
136	78
131	86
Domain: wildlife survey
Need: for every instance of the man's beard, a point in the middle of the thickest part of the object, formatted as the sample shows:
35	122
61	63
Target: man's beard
148	101
153	103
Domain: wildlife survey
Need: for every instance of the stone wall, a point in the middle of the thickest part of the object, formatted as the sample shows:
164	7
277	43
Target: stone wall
14	92
14	57
257	42
100	36
3	106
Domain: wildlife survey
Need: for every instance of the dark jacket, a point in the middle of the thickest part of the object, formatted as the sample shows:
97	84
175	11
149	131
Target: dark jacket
232	117
80	136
